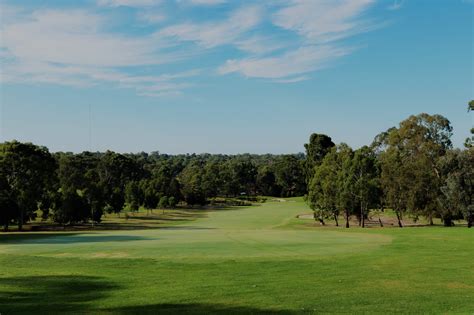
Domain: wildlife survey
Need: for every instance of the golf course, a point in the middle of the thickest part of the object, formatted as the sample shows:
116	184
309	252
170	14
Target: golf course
237	260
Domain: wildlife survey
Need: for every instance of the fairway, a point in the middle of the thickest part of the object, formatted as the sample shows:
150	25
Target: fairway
240	260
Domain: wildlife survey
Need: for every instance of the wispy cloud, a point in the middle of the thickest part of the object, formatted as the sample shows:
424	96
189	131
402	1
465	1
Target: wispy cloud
293	80
320	25
151	17
281	41
259	44
303	60
212	34
129	3
321	21
204	2
70	48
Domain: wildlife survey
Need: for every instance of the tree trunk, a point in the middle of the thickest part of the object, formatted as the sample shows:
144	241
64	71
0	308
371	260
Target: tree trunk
335	219
431	219
380	221
20	223
399	217
448	221
470	219
362	216
318	218
347	219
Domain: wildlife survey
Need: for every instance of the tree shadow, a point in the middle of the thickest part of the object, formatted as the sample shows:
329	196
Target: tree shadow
51	294
82	295
28	236
68	238
196	309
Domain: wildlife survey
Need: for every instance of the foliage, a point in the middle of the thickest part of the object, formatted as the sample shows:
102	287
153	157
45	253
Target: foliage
28	175
410	168
319	145
410	177
470	141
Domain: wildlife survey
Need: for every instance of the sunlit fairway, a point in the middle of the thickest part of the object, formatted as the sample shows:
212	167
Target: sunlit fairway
239	260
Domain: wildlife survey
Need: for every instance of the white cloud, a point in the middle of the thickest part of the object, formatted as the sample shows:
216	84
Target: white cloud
151	17
259	44
321	20
73	37
213	34
78	47
303	60
128	3
207	2
86	76
70	48
293	80
318	23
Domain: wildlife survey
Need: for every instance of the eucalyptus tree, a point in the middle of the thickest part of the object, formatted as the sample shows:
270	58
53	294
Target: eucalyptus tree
364	181
134	195
331	190
266	181
8	206
28	175
190	181
289	173
410	175
79	183
211	179
316	149
115	171
323	189
457	198
470	141
345	199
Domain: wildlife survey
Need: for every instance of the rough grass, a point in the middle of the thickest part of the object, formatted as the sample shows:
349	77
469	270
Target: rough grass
258	259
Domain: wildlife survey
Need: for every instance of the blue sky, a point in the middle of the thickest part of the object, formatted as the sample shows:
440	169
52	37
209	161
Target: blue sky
225	76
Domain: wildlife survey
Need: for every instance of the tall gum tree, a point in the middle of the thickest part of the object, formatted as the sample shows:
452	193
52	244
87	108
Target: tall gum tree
409	156
29	173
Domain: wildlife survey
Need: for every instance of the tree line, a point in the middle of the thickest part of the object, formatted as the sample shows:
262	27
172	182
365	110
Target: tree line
76	188
412	169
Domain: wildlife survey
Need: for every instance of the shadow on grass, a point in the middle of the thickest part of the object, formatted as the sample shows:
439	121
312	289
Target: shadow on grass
195	309
67	238
51	294
29	236
135	221
82	295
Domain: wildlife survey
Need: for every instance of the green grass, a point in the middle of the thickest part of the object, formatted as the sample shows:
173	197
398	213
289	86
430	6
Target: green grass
258	259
